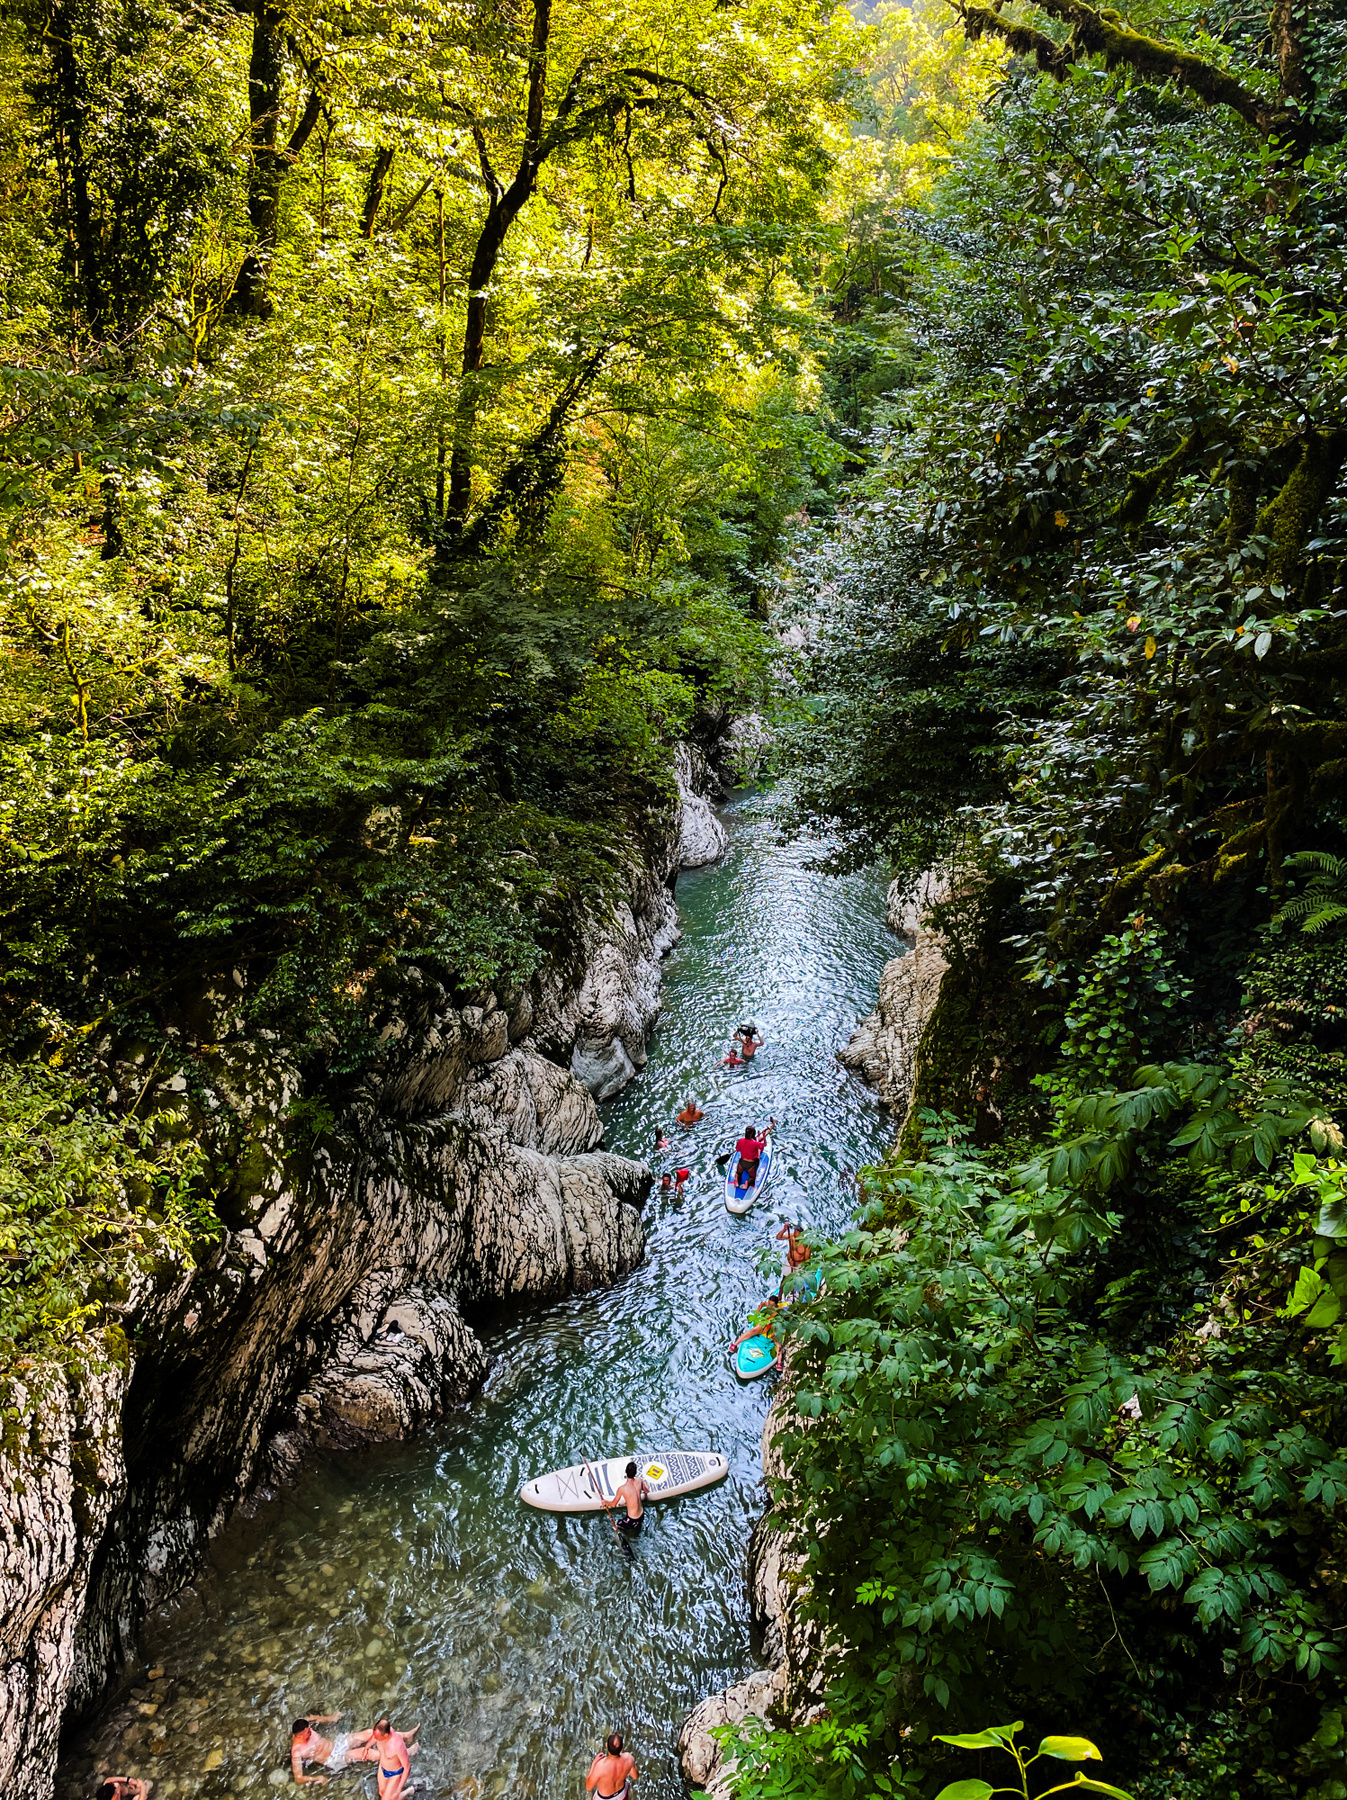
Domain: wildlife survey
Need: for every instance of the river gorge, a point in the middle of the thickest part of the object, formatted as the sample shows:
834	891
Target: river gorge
408	1576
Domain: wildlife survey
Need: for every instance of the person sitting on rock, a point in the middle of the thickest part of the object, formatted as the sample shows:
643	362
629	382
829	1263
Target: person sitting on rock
612	1771
122	1787
690	1114
331	1754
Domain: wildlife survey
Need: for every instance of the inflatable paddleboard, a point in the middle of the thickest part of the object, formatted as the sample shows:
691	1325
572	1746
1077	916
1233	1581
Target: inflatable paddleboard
754	1357
667	1474
738	1198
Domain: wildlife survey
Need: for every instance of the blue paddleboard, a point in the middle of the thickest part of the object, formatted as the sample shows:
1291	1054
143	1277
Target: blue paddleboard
754	1357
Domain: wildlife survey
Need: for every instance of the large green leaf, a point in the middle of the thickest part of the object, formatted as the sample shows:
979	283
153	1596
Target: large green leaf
971	1740
965	1790
1070	1749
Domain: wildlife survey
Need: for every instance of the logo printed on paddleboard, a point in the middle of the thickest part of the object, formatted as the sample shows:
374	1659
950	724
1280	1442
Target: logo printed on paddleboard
654	1473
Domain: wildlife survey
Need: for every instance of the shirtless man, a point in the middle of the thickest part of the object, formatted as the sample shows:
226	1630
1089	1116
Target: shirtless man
122	1787
613	1770
690	1114
631	1493
749	1040
332	1754
392	1754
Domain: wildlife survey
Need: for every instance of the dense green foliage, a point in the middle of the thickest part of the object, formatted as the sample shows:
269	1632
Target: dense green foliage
399	410
1068	1430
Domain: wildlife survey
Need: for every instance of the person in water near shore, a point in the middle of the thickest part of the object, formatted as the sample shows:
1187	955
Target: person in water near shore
749	1040
762	1323
613	1770
690	1114
331	1754
632	1493
122	1787
661	1138
733	1060
392	1754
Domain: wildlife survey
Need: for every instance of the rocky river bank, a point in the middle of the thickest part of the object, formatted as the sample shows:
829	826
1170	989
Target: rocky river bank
335	1309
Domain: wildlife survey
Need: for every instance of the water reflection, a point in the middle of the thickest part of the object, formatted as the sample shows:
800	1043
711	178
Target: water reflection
409	1578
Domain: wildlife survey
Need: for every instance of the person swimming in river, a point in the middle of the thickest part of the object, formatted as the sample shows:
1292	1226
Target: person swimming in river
733	1060
749	1040
632	1493
661	1138
691	1114
613	1771
331	1754
122	1787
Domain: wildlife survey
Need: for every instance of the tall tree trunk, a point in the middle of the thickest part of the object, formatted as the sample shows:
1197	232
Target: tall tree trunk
374	193
69	104
506	205
265	73
268	160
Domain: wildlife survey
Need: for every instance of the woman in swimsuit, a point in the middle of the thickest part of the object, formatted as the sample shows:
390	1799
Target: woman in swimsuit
612	1771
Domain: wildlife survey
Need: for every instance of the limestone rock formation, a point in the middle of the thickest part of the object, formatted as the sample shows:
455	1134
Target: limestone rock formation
702	837
789	1689
465	1167
883	1047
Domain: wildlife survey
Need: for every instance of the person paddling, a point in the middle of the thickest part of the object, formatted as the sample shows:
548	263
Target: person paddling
750	1148
613	1771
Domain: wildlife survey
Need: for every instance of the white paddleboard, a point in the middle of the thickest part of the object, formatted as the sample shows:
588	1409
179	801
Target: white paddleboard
739	1198
667	1474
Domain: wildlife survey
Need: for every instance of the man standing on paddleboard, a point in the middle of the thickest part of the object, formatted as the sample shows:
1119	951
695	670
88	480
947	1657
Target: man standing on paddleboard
613	1770
632	1493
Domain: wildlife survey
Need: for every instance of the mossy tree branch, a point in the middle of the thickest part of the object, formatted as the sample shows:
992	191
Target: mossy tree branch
1103	33
1290	516
1145	486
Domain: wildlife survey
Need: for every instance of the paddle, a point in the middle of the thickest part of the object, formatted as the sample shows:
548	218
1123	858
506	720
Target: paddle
609	1508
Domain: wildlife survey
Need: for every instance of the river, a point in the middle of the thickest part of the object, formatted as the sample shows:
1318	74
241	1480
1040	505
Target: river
409	1578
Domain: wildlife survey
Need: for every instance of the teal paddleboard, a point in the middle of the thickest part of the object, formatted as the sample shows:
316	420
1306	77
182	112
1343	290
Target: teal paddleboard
754	1357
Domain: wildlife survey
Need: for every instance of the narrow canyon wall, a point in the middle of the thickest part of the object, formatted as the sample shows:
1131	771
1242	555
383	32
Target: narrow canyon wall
883	1047
465	1169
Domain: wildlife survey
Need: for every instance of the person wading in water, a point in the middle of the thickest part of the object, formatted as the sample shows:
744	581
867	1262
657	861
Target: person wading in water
613	1770
632	1494
393	1755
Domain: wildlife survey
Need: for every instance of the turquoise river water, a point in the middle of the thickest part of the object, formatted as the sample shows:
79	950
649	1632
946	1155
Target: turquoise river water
409	1578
